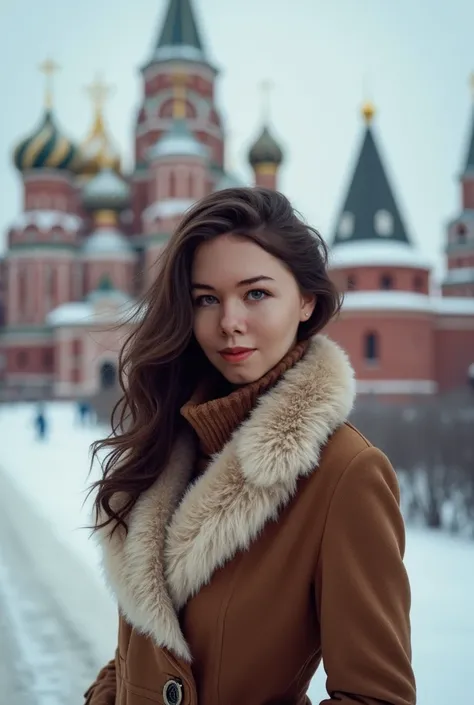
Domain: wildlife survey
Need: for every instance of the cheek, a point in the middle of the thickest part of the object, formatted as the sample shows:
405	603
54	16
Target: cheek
279	317
203	327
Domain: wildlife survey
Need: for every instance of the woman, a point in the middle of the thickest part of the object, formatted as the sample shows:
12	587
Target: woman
247	529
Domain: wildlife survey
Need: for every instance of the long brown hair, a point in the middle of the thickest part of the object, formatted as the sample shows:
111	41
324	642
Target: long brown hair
161	363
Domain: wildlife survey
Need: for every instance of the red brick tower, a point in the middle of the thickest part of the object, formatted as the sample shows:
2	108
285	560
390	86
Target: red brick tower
387	320
178	51
459	279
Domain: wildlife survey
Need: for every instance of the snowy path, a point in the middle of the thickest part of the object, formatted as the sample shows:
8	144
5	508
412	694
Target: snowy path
43	660
42	491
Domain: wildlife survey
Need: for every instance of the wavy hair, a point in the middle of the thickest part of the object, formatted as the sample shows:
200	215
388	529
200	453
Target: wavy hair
161	362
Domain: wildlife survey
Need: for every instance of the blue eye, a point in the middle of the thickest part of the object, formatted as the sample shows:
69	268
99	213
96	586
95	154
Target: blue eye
257	295
205	300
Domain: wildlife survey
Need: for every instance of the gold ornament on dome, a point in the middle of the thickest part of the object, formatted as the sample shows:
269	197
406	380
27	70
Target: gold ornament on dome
368	111
97	150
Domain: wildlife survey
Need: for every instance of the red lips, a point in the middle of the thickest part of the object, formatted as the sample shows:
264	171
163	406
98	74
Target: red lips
237	354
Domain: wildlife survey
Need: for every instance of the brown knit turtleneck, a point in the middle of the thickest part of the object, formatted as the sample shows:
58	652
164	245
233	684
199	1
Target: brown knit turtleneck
214	420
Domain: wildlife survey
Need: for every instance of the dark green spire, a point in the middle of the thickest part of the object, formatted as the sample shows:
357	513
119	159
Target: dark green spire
469	165
370	211
180	28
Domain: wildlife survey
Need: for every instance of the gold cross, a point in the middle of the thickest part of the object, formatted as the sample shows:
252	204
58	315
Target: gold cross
99	91
266	88
49	68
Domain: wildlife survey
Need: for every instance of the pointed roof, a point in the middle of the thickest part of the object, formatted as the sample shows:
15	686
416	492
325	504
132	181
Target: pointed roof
469	163
370	211
180	36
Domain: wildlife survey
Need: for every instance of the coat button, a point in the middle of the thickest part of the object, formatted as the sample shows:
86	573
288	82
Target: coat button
173	692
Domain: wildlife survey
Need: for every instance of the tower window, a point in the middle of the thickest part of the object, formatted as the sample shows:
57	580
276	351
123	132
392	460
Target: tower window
371	347
418	283
386	282
346	225
351	282
383	223
461	232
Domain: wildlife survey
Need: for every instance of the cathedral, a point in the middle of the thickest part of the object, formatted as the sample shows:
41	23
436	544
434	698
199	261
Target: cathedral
84	246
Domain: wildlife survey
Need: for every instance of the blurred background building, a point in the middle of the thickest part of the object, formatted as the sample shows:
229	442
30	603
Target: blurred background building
83	248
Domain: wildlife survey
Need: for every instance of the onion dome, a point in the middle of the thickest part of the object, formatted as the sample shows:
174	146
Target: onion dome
46	148
97	149
265	150
107	239
179	141
106	191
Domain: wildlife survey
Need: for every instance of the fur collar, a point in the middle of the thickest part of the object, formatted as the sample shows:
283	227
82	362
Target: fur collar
181	533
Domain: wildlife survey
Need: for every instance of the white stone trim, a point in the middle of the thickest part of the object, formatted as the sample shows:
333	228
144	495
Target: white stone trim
396	386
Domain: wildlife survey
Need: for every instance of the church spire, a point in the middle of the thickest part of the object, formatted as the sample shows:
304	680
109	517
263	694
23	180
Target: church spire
179	36
469	163
370	211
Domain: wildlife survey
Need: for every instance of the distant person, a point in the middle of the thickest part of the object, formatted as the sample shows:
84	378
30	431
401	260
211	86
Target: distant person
85	412
40	423
248	530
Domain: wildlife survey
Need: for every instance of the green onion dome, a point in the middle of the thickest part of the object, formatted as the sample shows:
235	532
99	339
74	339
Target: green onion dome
46	148
265	150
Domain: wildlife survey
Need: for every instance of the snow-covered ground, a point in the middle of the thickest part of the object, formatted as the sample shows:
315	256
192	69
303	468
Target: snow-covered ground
42	489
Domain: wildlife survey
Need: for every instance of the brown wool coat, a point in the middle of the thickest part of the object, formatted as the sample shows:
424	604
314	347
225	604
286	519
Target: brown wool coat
288	548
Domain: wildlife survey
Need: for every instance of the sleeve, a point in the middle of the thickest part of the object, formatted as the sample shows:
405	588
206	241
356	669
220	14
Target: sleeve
362	589
103	689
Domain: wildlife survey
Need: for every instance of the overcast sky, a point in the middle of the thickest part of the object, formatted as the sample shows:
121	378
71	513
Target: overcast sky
412	58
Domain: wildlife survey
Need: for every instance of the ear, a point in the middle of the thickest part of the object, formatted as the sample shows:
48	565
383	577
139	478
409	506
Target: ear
308	302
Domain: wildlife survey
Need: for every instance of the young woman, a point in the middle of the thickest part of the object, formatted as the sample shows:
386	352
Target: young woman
248	530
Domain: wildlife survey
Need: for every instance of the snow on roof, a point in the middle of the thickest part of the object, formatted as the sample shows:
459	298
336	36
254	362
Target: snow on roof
462	275
178	144
374	254
87	313
407	301
47	219
188	53
454	305
107	241
106	184
168	208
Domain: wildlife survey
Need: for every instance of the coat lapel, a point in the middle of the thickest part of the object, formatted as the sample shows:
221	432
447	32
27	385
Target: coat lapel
180	534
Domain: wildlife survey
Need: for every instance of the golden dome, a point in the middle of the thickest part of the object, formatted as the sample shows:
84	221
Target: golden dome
97	150
368	111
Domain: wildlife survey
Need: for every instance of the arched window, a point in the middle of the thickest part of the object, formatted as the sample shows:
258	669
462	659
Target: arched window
461	232
386	281
418	283
371	347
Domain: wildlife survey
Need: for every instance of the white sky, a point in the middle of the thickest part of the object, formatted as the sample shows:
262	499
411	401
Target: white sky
412	58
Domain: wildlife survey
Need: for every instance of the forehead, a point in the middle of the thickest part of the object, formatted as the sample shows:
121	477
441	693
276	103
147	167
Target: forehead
231	258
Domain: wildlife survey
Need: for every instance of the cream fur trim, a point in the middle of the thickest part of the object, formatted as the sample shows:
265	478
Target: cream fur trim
175	543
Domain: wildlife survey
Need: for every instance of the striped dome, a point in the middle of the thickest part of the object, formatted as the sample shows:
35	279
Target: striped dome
46	148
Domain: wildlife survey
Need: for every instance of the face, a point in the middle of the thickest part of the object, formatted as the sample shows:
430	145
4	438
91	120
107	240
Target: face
247	307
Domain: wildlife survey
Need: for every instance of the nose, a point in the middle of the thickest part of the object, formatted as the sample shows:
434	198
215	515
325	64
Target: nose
233	318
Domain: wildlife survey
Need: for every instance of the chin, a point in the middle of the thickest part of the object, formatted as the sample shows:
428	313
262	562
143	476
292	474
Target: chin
240	376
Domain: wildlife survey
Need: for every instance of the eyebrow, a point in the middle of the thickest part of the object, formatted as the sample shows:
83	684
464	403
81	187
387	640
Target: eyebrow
243	282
